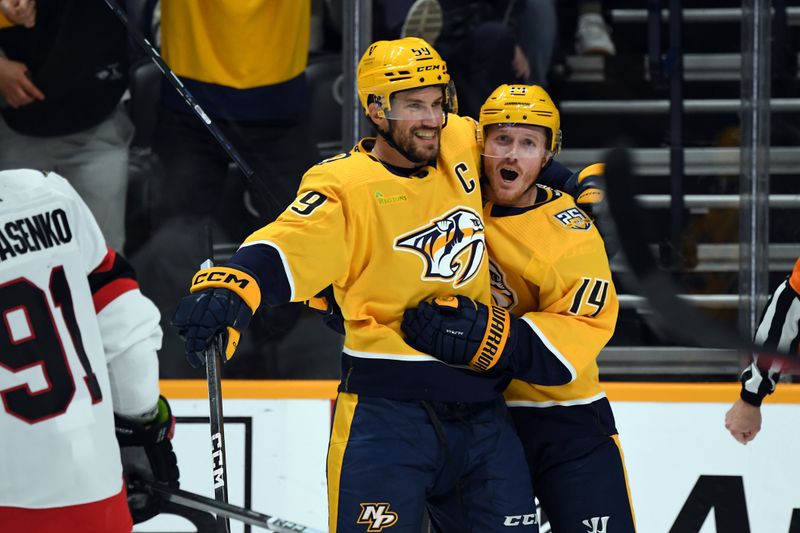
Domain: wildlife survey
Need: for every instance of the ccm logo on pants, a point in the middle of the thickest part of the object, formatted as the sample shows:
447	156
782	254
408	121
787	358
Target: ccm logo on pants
520	519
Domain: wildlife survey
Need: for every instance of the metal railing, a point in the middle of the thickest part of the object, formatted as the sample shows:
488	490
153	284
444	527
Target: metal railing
783	160
722	14
724	257
706	301
672	362
697	67
716	201
638	107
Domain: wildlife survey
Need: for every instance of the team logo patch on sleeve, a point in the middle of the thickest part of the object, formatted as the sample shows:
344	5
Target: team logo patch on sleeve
574	218
452	247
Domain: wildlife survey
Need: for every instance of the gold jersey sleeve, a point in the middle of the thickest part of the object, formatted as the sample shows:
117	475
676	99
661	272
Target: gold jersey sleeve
550	268
386	241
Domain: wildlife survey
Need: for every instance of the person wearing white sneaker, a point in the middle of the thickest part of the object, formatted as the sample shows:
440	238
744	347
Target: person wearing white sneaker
423	20
592	36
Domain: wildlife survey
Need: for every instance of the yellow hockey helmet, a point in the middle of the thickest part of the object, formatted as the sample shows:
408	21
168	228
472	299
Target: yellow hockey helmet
388	67
522	104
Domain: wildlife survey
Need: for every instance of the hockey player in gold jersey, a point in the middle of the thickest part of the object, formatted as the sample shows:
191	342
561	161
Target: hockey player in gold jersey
396	220
552	286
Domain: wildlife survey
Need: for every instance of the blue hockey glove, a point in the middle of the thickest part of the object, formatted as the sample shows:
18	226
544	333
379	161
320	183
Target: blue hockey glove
222	302
147	455
459	331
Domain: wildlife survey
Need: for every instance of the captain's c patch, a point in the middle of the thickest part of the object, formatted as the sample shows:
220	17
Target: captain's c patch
574	218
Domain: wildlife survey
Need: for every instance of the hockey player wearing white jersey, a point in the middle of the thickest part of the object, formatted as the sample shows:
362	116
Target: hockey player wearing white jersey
78	345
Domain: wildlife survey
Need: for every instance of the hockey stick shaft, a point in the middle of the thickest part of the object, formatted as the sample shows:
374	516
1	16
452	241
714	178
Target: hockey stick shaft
217	421
230	511
212	127
684	322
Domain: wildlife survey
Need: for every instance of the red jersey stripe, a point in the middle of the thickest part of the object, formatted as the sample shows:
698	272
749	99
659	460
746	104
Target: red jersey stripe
106	294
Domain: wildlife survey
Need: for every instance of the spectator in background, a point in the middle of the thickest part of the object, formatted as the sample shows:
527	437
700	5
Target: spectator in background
244	62
581	30
592	36
480	48
485	42
779	331
64	72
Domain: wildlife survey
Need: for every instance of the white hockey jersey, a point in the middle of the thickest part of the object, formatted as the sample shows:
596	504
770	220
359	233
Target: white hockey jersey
69	314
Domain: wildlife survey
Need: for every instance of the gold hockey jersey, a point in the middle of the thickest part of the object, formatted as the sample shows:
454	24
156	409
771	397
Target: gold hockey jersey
386	241
549	267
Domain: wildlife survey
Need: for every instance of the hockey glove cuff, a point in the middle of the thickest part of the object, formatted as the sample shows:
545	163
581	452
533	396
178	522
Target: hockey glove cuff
147	455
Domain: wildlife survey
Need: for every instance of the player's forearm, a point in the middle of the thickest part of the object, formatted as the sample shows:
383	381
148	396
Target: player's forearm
264	262
133	377
536	360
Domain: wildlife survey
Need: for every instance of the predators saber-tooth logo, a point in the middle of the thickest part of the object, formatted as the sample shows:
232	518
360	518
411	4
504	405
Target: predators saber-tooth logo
377	516
452	247
503	295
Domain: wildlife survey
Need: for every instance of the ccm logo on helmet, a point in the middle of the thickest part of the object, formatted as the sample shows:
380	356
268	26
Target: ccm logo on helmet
224	277
428	67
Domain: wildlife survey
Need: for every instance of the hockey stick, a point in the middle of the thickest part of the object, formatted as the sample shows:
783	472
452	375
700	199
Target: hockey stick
683	321
220	137
229	511
217	421
217	425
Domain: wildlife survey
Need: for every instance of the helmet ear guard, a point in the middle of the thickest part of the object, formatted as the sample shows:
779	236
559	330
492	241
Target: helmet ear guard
521	104
451	98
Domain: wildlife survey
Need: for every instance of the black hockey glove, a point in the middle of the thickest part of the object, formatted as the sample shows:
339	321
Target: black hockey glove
147	455
325	304
222	302
587	188
589	192
459	331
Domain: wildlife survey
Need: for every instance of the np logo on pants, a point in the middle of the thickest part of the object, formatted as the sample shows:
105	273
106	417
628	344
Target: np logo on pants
377	516
597	524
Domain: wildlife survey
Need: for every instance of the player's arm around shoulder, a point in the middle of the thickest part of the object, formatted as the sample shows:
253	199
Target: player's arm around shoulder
463	130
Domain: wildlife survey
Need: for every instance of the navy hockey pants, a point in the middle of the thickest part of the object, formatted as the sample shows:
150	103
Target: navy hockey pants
389	461
582	484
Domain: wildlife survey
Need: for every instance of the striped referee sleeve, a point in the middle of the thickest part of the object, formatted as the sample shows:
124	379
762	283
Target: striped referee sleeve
779	330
